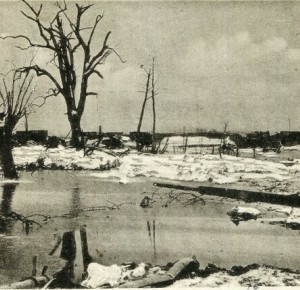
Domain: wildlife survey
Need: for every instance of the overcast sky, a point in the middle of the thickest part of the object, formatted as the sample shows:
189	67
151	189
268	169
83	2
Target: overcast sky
215	62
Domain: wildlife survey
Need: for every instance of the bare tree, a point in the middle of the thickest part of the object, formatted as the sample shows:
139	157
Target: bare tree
145	101
70	43
143	109
149	90
18	96
153	94
26	115
225	126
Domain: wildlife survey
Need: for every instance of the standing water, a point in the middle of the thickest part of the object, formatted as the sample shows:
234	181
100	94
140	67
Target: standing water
119	230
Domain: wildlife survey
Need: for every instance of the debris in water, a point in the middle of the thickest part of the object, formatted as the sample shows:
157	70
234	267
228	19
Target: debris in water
99	275
146	201
239	214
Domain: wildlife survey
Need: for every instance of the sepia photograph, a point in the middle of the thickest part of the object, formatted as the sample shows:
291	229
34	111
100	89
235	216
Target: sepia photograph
149	144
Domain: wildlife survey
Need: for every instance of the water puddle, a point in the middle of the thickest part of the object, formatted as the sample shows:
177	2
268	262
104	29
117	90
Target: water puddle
120	230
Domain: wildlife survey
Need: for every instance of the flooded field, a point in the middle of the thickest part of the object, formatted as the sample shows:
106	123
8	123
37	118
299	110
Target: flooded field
157	235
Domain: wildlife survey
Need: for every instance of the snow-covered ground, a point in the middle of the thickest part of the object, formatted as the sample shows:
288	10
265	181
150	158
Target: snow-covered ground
258	277
64	158
178	167
199	168
250	276
292	148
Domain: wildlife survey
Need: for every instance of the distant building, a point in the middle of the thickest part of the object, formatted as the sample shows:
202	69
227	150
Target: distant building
91	135
289	138
177	143
38	136
114	133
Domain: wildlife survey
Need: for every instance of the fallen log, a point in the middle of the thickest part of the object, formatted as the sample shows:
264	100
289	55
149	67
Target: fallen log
292	200
28	283
183	266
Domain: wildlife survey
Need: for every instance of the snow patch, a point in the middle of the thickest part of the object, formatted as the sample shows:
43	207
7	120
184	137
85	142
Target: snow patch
292	148
12	181
196	168
61	157
246	210
263	276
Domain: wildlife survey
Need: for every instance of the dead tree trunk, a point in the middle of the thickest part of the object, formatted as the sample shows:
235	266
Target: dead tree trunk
26	120
6	225
143	109
6	157
225	126
18	100
74	120
153	93
7	161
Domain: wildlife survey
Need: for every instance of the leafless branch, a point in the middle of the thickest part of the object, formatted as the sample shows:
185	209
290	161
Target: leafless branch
94	59
6	74
91	94
43	98
42	72
97	73
115	52
117	206
61	10
3	104
97	20
31	44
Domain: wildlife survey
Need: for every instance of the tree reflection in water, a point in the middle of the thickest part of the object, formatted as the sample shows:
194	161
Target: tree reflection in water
6	225
74	208
152	236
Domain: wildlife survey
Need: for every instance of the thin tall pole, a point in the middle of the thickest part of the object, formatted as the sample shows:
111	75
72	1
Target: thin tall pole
153	109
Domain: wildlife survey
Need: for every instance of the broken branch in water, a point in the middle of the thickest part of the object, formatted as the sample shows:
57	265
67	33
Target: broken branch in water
193	199
105	207
46	217
183	197
116	206
26	222
156	192
175	195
